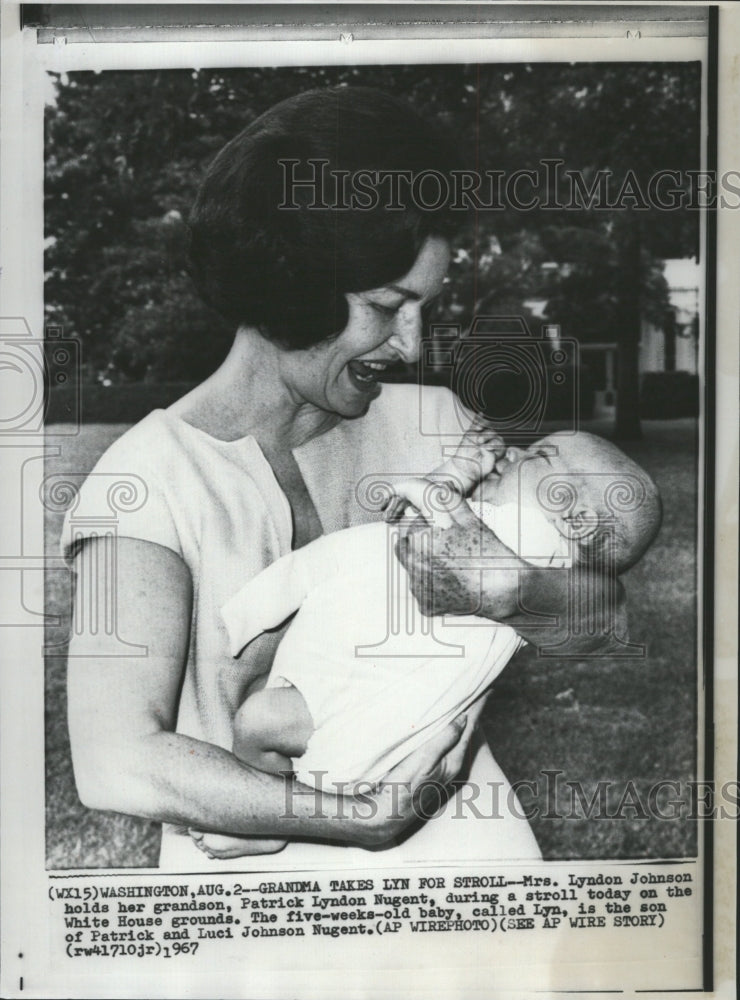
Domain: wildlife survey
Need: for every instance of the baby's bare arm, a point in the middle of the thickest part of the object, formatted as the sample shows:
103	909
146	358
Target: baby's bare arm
474	457
433	495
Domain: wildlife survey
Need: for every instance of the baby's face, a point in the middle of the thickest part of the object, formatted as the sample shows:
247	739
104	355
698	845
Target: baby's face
516	477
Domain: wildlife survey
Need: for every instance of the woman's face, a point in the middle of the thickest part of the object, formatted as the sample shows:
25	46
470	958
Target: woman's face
384	326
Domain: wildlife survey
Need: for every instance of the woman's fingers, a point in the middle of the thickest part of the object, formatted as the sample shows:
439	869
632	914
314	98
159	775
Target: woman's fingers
451	764
463	517
412	789
442	760
198	838
428	762
444	517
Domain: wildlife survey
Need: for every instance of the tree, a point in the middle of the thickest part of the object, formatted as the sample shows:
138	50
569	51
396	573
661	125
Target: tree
125	151
124	154
624	121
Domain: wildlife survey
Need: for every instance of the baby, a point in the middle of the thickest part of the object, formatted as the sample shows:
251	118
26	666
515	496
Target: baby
361	678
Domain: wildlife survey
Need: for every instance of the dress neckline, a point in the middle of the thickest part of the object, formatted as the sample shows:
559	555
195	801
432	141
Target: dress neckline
305	454
181	422
304	448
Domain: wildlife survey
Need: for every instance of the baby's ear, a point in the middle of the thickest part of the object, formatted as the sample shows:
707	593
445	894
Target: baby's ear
581	524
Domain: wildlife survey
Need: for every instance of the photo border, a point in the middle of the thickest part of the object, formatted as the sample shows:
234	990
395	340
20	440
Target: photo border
709	435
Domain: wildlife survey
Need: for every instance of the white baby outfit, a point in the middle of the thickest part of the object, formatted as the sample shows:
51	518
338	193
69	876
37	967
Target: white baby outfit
219	507
379	678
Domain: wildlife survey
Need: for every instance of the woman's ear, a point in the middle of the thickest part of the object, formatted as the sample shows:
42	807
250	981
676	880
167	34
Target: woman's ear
580	524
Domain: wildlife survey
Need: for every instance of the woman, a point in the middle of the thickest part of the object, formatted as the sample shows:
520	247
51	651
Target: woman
265	455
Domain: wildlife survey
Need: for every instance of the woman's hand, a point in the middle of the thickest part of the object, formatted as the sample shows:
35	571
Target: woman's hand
411	790
467	569
446	564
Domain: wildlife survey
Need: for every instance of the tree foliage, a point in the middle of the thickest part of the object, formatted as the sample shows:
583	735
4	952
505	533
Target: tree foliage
125	151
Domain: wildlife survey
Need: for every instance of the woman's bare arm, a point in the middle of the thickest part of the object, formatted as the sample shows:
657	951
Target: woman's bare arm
466	569
122	714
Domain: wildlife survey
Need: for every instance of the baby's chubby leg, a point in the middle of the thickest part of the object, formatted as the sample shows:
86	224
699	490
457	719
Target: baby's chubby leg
270	727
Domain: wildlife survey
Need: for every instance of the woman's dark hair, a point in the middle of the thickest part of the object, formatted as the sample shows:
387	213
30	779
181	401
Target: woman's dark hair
262	257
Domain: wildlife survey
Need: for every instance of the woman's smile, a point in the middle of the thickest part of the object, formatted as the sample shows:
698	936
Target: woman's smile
367	373
384	328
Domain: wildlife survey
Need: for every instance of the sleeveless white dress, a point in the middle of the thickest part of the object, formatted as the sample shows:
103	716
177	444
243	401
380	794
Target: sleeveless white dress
218	505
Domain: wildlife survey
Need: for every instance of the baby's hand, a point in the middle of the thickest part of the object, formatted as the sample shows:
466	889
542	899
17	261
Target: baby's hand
484	434
481	445
405	497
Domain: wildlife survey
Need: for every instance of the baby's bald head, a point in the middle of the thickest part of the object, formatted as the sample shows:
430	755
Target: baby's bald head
612	497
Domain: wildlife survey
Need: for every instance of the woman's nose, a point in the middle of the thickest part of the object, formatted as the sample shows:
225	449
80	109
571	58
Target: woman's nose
513	454
406	336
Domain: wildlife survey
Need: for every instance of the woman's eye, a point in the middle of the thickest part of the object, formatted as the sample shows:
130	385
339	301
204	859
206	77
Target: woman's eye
429	311
385	310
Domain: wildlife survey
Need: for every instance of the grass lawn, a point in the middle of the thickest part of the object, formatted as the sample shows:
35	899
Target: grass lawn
620	720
